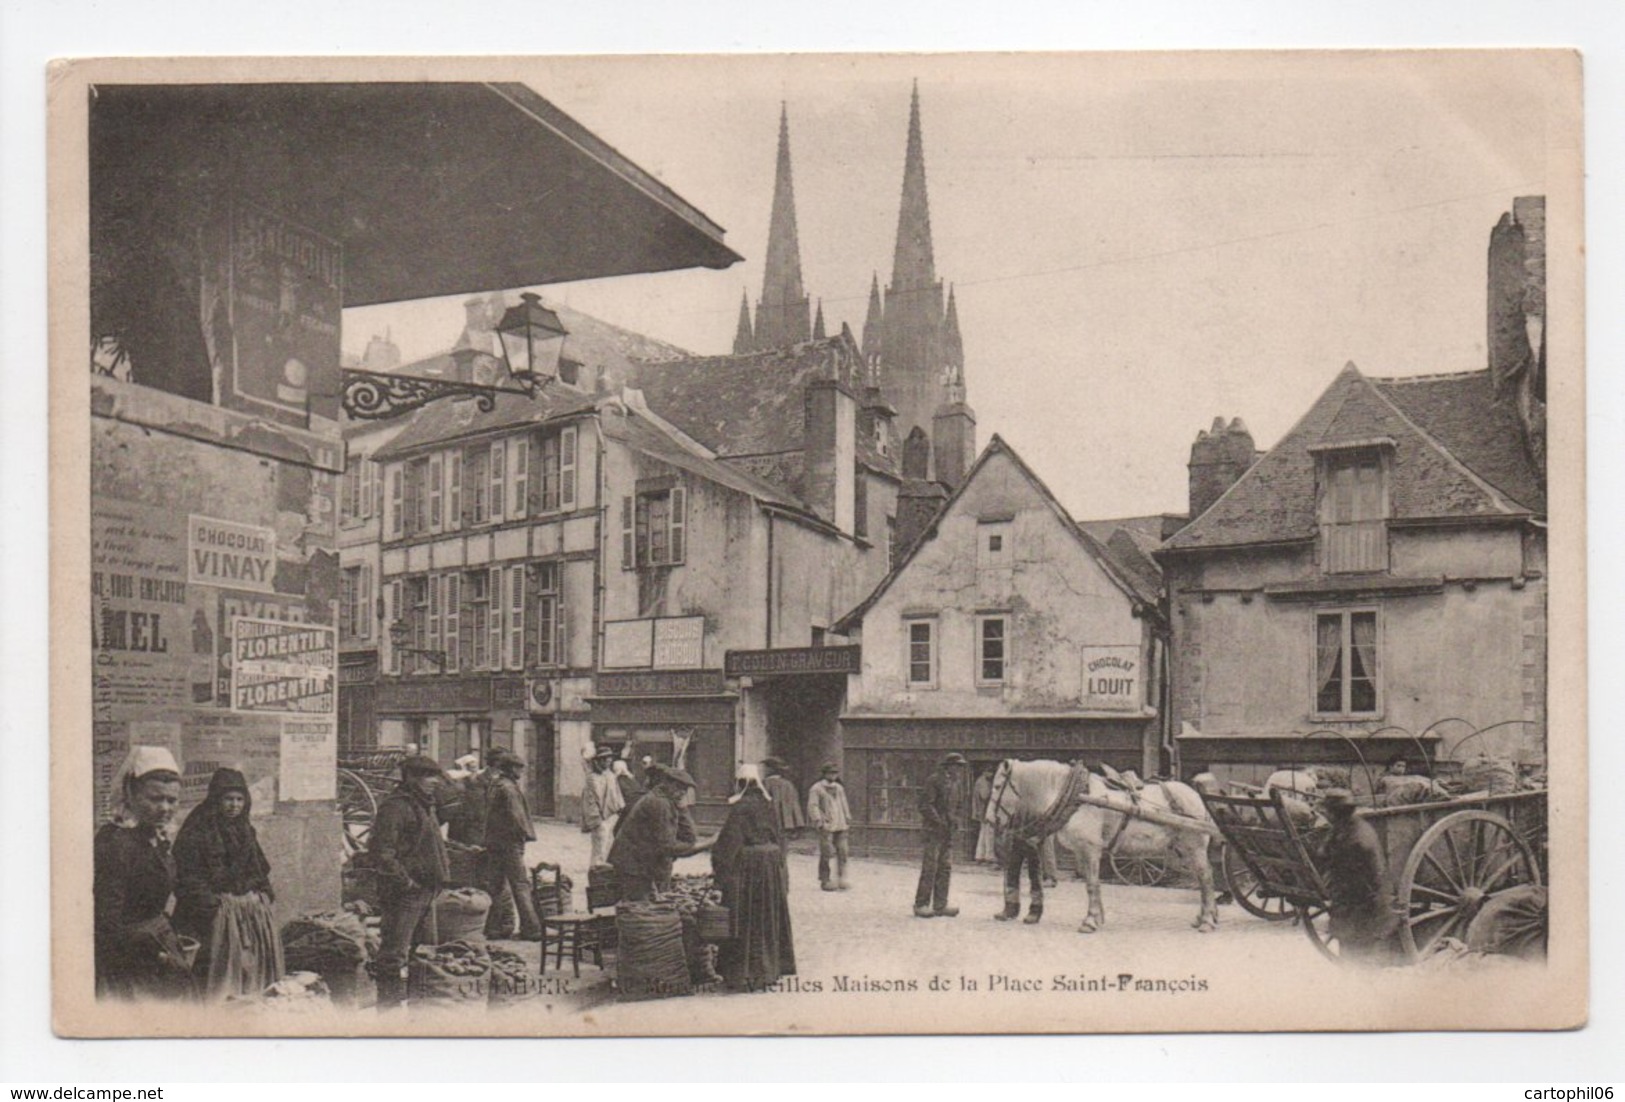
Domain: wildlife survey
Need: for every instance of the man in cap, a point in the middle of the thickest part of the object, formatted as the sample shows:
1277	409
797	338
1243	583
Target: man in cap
507	828
1356	880
601	804
938	817
782	791
410	858
653	835
830	814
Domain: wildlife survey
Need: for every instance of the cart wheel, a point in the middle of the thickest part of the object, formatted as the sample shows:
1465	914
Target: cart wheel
1144	872
358	806
1245	889
1458	864
1316	921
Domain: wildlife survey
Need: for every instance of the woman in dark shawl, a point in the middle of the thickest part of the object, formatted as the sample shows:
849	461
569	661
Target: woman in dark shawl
749	863
223	892
138	954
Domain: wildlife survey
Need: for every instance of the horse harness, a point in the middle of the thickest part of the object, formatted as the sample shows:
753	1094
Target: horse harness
1067	803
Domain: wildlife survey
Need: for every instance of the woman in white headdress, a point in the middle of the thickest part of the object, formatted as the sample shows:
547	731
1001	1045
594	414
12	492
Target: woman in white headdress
749	862
138	954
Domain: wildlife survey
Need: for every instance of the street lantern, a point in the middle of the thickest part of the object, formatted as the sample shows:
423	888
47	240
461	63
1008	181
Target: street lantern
532	341
400	633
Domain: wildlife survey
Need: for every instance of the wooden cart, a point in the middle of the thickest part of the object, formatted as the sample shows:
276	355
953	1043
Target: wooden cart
1446	859
363	780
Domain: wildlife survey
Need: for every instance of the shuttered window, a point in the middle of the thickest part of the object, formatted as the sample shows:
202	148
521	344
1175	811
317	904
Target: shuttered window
453	621
567	467
628	547
436	479
395	497
515	656
499	452
1353	512
519	502
660	528
549	651
454	490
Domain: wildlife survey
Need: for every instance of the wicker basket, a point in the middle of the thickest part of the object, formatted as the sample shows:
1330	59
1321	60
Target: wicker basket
715	922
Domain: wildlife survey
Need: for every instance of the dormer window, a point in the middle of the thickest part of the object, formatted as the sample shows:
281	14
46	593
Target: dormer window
1354	508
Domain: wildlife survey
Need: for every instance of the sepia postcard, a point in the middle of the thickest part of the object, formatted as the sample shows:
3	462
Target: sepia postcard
818	544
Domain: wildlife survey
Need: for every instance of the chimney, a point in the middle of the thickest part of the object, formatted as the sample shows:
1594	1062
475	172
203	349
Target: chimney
953	433
830	444
1219	457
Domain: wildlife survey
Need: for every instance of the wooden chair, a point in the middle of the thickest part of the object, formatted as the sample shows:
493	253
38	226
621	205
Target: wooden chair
576	934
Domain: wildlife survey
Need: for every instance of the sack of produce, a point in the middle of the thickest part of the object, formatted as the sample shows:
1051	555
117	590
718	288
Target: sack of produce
650	963
552	890
601	887
1497	776
459	914
294	993
456	972
328	941
464	865
511	982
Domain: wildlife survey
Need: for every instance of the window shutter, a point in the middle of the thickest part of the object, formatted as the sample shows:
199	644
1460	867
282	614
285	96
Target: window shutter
628	557
347	507
499	452
433	641
436	485
392	612
414	500
536	493
640	553
521	477
567	467
395	520
369	488
494	590
454	620
679	504
516	617
364	609
532	615
561	656
454	490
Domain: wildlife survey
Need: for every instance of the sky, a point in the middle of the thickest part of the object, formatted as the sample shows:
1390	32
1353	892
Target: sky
1138	243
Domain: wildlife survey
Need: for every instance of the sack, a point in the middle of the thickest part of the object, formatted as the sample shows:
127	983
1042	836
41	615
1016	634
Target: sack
464	865
328	941
511	982
650	962
459	914
1493	775
456	972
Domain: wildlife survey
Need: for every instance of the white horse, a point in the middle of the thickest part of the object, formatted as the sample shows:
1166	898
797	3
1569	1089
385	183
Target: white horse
1024	792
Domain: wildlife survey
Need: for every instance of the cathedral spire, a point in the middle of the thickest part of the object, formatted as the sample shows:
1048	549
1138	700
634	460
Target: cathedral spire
953	346
744	339
873	322
913	264
818	323
782	315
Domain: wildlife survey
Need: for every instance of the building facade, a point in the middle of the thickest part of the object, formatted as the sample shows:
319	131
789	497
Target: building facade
1007	631
1375	584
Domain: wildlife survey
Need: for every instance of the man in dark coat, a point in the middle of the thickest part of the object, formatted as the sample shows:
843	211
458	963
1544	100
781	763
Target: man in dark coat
938	817
654	833
1356	880
410	857
507	828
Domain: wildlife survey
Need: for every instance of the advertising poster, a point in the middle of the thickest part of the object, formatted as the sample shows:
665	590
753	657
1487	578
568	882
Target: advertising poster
308	755
279	667
1111	679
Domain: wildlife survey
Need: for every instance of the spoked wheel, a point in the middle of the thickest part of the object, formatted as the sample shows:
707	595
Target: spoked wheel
1144	872
1316	921
359	808
1245	889
1456	866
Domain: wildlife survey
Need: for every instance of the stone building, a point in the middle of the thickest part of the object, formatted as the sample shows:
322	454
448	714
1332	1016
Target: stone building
1378	578
1007	630
230	224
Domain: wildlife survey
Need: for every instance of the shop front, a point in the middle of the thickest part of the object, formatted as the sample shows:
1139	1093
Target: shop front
888	758
793	697
676	717
358	701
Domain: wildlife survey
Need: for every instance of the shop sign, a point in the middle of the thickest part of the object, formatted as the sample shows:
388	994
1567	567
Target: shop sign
280	667
453	694
358	671
508	693
679	643
661	683
230	555
1111	679
628	644
789	661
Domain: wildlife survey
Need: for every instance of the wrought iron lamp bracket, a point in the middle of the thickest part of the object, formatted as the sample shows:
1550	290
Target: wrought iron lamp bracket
378	396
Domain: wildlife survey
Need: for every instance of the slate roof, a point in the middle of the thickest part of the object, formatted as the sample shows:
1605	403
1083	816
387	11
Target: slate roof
642	435
605	349
1094	546
752	405
1457	453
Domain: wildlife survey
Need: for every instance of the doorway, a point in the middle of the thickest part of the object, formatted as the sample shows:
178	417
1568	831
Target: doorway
542	772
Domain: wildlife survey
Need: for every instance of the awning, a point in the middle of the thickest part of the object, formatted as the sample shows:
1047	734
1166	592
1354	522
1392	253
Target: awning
432	188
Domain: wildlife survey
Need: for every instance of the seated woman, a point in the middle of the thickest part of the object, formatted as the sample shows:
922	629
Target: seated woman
749	863
138	954
223	892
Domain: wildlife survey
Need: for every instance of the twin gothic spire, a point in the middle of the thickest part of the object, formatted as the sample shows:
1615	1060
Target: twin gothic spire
909	337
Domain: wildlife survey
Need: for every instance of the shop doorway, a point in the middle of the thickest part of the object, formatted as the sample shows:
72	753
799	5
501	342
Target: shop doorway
803	723
542	769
